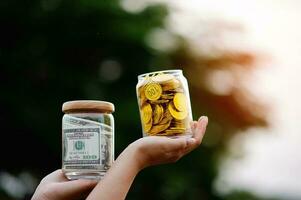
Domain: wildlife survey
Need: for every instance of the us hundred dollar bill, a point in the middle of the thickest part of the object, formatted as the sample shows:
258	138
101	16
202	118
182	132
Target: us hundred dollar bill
73	122
76	121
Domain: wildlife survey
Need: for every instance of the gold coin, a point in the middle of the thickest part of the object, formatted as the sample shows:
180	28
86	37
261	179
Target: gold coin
178	124
167	81
153	91
146	113
159	101
180	101
177	114
147	126
171	132
167	96
166	117
177	128
158	113
171	85
159	128
175	131
141	96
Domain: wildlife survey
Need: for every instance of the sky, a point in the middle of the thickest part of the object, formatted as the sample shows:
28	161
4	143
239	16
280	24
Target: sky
269	161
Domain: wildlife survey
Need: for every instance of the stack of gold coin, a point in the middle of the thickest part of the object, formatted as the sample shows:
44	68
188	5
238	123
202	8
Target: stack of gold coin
163	105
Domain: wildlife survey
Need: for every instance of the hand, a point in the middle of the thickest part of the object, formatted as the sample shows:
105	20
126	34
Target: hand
56	186
153	150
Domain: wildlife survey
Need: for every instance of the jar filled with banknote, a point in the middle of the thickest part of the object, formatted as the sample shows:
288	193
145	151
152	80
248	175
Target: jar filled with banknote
164	103
87	139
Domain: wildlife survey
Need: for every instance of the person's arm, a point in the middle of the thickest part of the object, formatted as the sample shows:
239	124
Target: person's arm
119	178
142	153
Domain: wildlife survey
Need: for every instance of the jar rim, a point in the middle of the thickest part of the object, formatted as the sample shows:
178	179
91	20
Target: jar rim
88	106
171	71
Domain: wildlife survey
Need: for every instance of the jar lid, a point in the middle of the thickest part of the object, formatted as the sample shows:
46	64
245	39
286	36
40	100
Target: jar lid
88	106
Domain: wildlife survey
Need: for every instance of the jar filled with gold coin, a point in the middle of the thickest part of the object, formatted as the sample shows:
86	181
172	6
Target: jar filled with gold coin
87	139
164	103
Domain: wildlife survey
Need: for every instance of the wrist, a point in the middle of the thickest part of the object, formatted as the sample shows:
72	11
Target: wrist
135	153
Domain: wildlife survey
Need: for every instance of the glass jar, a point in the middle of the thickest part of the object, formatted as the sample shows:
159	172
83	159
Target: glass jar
164	103
87	139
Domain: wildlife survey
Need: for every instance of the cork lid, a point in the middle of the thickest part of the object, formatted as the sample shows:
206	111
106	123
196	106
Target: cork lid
88	106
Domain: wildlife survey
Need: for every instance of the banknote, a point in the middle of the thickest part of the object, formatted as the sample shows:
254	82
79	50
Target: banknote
73	122
85	132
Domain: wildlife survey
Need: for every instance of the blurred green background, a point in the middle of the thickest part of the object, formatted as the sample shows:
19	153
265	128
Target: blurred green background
54	51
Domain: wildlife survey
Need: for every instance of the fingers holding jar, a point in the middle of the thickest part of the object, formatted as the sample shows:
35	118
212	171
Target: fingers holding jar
198	130
155	150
